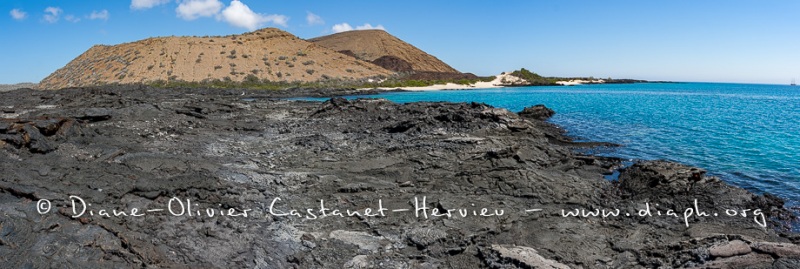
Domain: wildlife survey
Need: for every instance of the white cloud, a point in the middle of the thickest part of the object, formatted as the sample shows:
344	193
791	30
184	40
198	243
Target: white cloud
276	19
52	14
314	19
240	15
71	18
145	4
368	26
99	15
344	27
18	14
193	9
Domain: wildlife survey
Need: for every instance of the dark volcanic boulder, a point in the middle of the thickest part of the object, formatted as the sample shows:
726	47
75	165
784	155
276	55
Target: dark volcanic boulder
677	186
662	176
539	112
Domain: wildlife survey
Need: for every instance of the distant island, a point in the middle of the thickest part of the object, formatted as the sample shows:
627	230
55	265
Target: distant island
529	78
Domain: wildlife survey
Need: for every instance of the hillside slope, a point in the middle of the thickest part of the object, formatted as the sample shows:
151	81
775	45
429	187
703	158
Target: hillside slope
268	53
380	47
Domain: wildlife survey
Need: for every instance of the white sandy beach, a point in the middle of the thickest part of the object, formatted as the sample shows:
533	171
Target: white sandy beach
496	83
579	82
502	80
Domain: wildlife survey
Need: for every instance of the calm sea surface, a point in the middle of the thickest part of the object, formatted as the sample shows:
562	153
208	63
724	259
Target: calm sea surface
748	135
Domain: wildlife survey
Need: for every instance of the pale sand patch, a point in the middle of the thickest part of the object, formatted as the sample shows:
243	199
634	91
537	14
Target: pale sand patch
499	82
579	82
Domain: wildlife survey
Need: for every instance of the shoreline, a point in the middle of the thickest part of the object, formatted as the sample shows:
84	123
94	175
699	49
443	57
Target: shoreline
496	83
16	86
505	79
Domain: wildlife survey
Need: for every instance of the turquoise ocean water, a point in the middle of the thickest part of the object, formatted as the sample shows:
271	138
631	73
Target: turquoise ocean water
748	135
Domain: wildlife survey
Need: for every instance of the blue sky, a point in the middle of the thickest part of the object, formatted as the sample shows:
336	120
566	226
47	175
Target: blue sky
714	40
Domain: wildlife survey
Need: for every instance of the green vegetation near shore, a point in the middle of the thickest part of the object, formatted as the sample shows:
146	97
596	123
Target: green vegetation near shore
252	82
400	83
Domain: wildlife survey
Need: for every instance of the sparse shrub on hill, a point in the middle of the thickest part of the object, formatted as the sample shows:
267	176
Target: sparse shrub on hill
251	79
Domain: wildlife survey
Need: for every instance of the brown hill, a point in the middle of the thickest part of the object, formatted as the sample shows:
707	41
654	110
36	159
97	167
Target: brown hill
264	54
372	45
